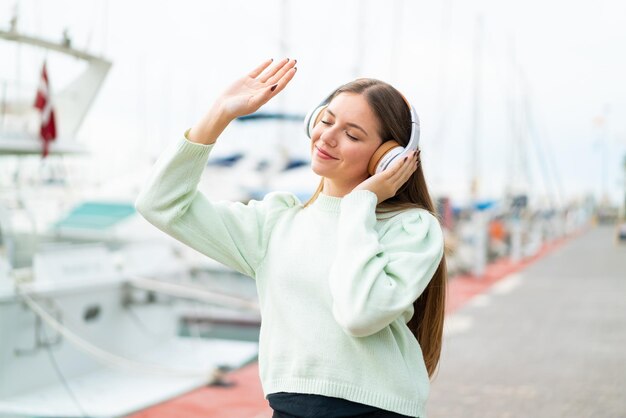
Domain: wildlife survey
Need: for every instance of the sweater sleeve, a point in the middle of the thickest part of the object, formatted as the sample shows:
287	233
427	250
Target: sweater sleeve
373	279
232	233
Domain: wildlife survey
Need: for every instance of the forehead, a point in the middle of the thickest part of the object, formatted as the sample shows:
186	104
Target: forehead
354	108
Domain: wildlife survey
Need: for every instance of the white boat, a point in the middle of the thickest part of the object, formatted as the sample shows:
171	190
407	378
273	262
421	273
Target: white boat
19	135
89	322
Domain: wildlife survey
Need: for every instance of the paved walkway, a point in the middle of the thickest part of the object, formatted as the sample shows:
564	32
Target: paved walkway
547	341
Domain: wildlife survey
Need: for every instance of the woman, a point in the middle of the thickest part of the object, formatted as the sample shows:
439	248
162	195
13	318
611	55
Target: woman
351	303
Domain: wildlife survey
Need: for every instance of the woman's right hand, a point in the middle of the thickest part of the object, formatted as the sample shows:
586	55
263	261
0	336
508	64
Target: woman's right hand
243	97
249	93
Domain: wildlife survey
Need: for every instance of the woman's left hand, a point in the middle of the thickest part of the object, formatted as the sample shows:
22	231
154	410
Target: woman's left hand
387	183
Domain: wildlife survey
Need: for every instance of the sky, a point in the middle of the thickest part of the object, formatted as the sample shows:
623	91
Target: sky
537	86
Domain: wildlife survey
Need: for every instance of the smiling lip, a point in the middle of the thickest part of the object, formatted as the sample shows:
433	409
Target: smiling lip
325	154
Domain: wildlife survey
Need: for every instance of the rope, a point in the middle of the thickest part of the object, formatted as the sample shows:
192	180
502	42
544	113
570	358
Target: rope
108	358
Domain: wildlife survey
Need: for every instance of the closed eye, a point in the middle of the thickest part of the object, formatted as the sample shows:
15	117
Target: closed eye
353	138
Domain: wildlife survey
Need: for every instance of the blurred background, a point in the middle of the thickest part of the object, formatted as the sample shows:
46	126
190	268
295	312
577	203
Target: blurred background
522	108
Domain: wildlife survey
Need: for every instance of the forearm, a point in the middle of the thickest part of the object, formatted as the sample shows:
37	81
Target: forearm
210	127
233	233
169	190
378	274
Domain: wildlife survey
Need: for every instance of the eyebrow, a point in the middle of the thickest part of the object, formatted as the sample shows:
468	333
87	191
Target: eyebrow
354	125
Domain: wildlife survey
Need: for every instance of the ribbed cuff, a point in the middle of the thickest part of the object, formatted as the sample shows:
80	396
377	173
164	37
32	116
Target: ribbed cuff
193	149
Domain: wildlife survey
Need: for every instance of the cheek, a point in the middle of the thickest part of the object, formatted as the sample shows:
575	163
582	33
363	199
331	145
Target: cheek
317	131
365	157
315	135
359	156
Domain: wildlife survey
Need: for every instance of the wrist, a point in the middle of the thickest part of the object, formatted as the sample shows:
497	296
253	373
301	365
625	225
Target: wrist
209	128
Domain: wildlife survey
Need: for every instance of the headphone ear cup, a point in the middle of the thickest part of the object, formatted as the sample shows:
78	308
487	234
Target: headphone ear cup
312	118
385	150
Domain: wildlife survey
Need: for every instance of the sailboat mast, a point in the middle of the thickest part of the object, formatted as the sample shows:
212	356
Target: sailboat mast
281	134
284	52
518	171
360	42
396	38
477	87
442	79
478	218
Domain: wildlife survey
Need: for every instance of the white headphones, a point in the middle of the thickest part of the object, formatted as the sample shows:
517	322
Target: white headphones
388	152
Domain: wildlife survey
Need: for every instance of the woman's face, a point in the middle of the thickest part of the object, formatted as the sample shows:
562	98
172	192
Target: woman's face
348	133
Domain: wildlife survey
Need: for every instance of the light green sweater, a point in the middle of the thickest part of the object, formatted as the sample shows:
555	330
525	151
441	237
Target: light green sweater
336	286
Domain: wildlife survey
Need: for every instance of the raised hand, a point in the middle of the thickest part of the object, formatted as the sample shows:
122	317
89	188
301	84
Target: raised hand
243	97
252	91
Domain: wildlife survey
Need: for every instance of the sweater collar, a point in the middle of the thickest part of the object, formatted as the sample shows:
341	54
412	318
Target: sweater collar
327	203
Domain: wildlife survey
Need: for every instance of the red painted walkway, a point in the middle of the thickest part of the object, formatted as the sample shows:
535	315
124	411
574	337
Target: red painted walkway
242	400
245	398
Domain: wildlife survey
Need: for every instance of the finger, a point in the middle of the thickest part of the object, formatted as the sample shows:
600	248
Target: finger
404	169
258	70
280	74
272	90
418	159
402	175
390	174
412	163
396	167
273	70
282	83
414	160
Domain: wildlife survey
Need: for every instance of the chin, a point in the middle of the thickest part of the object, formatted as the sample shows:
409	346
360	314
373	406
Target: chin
320	173
319	170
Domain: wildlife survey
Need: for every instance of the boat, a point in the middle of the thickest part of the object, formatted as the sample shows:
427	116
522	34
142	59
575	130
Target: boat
89	314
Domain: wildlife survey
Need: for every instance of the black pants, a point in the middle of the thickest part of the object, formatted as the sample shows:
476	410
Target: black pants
381	414
300	405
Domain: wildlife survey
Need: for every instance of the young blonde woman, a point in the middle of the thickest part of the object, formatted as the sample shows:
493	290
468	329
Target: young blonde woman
351	284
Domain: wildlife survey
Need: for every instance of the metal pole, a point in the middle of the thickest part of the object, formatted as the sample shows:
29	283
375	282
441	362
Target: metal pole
4	105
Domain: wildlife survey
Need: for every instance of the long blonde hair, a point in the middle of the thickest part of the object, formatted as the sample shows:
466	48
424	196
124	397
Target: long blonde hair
395	123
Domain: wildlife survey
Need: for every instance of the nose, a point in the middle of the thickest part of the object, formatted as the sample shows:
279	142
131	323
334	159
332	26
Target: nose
328	137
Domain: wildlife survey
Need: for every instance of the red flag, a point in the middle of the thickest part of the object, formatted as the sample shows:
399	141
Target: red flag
43	102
